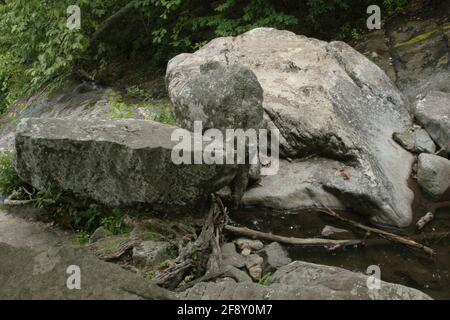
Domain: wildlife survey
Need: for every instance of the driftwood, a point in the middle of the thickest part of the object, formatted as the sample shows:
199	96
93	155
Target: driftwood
249	233
428	217
209	240
384	234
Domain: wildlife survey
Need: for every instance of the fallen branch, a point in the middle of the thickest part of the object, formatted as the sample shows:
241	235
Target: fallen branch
388	235
253	234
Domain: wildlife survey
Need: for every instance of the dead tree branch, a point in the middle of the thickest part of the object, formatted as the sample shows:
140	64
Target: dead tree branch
253	234
384	234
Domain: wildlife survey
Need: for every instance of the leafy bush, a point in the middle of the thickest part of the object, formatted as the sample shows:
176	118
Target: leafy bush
36	47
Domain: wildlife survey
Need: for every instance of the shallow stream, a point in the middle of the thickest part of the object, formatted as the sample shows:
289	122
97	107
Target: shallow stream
398	263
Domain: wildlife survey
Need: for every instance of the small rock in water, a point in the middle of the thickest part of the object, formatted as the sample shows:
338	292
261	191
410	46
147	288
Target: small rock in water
433	174
150	252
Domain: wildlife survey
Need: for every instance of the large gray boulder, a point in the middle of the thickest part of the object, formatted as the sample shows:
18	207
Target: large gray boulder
305	281
333	107
114	162
433	112
220	96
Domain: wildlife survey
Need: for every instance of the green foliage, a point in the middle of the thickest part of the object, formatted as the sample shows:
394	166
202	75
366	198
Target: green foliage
114	223
80	238
120	109
36	46
9	180
266	280
37	49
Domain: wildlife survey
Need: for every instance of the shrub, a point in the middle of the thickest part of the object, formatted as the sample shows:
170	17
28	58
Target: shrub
9	180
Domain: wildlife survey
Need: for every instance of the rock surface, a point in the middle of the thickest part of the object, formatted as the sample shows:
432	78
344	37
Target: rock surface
305	281
416	141
116	162
433	112
149	253
220	96
433	174
413	51
274	256
27	274
231	257
329	102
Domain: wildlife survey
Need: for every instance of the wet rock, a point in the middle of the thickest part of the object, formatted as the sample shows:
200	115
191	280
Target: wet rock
149	253
331	105
274	256
114	162
98	234
253	263
231	257
305	281
417	141
433	174
433	112
27	274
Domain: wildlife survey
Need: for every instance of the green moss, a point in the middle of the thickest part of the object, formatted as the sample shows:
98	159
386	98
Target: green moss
416	39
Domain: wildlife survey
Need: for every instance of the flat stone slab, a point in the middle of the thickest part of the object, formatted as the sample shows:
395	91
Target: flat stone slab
114	162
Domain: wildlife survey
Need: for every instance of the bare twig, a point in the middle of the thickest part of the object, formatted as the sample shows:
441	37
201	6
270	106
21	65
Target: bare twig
387	235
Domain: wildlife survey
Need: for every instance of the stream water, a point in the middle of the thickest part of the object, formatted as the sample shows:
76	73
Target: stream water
398	263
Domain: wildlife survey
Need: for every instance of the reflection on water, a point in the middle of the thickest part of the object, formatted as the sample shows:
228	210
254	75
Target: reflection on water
398	264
